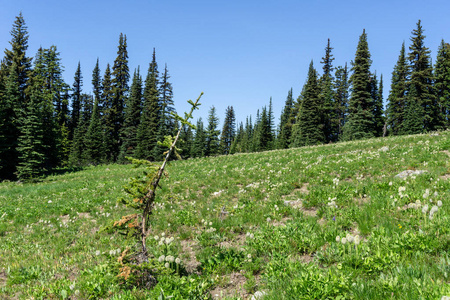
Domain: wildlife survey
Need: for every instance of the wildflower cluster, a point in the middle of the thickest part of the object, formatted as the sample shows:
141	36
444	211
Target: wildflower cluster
332	202
349	239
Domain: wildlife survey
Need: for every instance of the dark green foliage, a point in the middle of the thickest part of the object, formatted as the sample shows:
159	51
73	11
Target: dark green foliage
168	125
286	121
413	122
121	76
76	157
10	113
308	129
31	147
340	107
377	96
17	56
199	144
420	84
76	100
442	82
212	133
327	96
262	137
186	141
94	151
361	120
228	131
108	115
396	107
150	118
132	118
97	86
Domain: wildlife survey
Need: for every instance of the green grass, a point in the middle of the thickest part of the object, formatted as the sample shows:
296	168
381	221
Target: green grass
244	223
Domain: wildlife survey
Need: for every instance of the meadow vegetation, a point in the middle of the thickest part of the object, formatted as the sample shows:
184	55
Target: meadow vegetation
319	222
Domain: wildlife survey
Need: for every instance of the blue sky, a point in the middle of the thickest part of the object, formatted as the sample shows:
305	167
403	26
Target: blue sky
239	53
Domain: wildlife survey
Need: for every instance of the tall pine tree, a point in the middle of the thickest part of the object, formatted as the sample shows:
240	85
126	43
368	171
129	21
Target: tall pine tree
212	133
341	98
286	121
228	131
442	82
327	95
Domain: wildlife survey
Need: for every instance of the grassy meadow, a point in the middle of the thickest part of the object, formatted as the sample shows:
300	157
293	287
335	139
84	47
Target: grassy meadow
323	222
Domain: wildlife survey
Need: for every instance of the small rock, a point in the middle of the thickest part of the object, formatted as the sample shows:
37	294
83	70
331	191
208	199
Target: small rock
258	295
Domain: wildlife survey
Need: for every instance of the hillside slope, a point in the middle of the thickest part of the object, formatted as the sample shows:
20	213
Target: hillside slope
309	223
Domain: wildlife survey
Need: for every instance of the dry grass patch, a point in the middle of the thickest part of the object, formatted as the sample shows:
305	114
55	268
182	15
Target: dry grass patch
190	260
233	286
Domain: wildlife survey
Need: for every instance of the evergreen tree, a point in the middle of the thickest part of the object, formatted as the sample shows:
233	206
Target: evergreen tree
167	105
286	121
360	122
442	82
326	95
94	148
76	100
228	131
10	114
420	84
132	117
396	106
413	123
186	139
17	56
212	134
121	76
108	116
147	133
377	96
30	143
77	155
270	127
309	127
340	107
97	88
199	144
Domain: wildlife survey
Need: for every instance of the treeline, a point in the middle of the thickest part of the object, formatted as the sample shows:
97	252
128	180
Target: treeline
46	123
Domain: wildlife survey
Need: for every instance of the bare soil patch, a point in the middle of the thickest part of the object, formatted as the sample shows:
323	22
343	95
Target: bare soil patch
445	177
282	222
84	215
446	152
236	242
190	260
3	279
234	287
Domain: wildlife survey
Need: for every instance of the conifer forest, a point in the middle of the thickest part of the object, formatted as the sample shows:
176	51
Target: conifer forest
108	192
47	123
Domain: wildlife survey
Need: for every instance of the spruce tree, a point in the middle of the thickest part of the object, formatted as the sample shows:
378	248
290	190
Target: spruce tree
17	56
396	107
327	95
10	115
420	84
360	121
93	140
121	76
212	133
308	129
30	147
442	82
76	101
147	133
228	131
199	143
97	88
167	105
377	96
77	155
286	121
108	116
132	118
341	98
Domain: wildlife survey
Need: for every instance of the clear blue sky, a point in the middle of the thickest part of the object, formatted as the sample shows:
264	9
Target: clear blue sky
239	53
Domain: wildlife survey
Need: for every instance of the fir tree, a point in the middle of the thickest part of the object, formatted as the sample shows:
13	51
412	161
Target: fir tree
413	123
97	88
167	105
360	121
108	116
76	100
286	121
420	84
309	127
94	148
442	82
121	76
10	114
397	96
30	143
340	107
76	157
327	95
212	134
377	96
17	56
199	143
148	126
228	131
132	118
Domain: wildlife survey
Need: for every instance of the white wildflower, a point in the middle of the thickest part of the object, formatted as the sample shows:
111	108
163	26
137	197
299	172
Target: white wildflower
357	240
390	183
97	252
344	241
268	219
170	258
167	265
178	261
425	209
338	239
161	258
156	237
349	238
439	203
